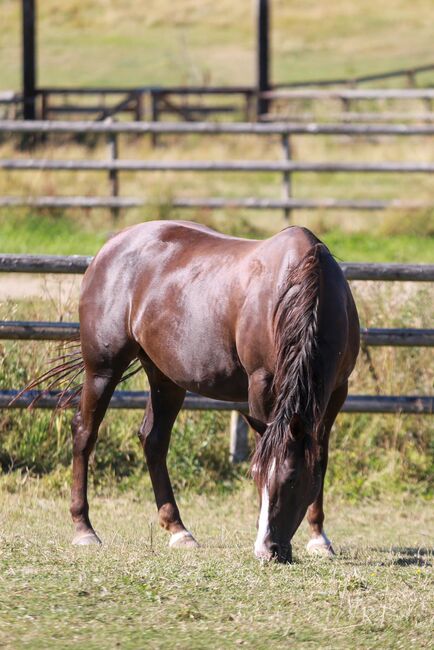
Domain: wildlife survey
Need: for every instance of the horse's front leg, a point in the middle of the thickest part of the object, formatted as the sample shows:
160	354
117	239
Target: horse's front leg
319	543
165	402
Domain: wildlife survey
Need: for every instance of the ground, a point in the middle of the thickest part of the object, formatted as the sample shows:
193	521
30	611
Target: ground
135	592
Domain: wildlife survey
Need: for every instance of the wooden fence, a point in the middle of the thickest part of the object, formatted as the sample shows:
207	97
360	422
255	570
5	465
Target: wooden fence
191	102
27	330
286	167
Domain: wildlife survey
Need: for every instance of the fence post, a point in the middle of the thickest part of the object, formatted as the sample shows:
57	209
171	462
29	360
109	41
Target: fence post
154	114
287	180
411	78
139	106
239	442
113	173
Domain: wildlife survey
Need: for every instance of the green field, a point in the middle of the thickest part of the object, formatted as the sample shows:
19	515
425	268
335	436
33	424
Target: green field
106	43
134	592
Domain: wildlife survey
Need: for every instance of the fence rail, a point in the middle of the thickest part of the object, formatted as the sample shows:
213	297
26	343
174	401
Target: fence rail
137	400
213	166
213	128
54	331
409	73
352	94
286	167
77	264
249	203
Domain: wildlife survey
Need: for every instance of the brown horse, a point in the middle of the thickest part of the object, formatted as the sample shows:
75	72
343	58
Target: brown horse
269	322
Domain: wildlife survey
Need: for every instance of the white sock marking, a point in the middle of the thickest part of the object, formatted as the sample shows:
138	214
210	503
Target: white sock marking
180	535
263	524
319	540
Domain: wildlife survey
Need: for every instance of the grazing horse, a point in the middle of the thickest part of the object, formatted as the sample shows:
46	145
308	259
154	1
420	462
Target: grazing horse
270	322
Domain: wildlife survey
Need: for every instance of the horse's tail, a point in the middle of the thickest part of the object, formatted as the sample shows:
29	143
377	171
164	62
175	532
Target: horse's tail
65	376
297	386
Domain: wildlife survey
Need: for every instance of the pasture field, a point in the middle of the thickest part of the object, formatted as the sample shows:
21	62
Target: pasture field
135	592
109	43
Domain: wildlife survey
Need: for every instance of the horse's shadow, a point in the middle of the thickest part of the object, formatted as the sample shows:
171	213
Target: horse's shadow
410	555
397	555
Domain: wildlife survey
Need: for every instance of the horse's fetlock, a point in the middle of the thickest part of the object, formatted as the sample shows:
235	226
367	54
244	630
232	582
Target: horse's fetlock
79	511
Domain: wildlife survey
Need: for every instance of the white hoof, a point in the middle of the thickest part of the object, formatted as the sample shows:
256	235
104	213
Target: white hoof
321	546
183	539
86	539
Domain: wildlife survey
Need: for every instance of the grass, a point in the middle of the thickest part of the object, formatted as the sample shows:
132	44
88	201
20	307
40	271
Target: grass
135	592
207	42
69	235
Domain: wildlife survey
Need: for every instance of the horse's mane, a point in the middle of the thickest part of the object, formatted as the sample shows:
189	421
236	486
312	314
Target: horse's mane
297	387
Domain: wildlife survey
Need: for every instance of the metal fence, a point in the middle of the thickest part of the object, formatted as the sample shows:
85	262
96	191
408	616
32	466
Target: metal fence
27	330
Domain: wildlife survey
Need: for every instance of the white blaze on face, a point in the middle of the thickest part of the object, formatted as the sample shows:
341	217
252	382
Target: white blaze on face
261	550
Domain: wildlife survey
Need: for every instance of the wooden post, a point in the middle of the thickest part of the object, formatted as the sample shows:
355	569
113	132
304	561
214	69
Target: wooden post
155	97
263	66
411	79
139	106
29	59
287	179
239	443
44	106
113	173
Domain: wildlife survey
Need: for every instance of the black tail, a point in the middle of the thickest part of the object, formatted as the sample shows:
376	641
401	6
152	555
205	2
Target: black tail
296	386
64	376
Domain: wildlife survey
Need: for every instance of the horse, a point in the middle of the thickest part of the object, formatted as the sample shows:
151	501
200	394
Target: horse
268	322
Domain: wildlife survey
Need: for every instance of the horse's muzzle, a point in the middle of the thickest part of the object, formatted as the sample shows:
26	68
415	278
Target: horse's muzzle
281	553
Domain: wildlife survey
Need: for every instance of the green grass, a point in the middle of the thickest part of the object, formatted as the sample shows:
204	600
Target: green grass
57	235
135	592
363	247
64	234
103	43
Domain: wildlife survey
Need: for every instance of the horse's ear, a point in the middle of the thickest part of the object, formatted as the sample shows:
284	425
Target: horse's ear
296	426
257	425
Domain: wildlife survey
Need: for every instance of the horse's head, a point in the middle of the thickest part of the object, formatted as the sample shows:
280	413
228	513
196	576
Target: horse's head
288	482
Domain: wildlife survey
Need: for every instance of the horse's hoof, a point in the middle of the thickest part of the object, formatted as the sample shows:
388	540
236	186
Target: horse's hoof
183	539
86	539
320	546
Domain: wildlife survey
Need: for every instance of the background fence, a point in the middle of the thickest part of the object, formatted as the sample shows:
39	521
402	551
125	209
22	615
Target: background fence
193	103
287	167
25	330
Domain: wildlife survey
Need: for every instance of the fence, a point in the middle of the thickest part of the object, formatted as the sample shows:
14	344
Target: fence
348	98
287	167
155	102
410	74
25	330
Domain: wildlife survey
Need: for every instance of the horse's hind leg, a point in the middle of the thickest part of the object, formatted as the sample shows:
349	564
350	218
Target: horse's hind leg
166	399
319	543
98	387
